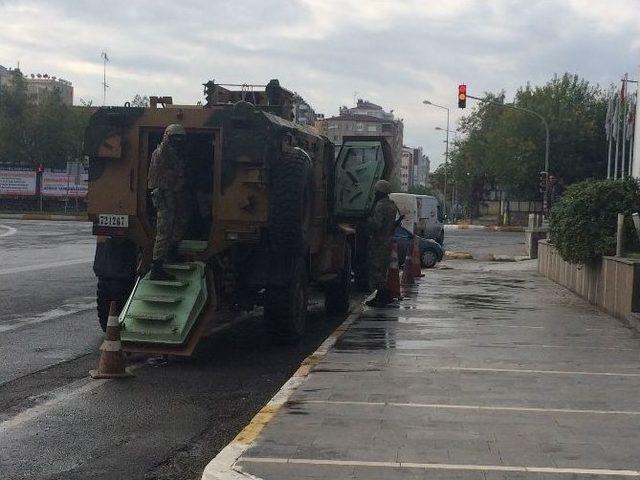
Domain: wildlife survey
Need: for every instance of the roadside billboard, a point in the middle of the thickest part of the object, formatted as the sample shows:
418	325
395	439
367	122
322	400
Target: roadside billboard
62	185
17	183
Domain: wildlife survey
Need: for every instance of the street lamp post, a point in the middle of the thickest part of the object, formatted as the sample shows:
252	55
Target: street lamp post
446	152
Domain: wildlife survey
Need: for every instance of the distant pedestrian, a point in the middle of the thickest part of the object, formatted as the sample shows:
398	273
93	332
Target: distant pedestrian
555	190
167	181
381	224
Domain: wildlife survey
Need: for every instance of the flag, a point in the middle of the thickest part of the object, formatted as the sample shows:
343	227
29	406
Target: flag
615	124
608	121
631	116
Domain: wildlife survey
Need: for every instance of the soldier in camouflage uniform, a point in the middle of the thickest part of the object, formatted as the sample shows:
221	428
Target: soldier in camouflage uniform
167	181
381	225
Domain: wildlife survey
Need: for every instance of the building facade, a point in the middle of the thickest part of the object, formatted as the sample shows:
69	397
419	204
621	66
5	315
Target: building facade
39	86
406	168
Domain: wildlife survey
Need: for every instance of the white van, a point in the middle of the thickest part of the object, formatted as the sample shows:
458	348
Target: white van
422	215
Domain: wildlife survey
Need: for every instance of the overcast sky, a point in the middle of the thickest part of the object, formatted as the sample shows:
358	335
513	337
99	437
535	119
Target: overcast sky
395	53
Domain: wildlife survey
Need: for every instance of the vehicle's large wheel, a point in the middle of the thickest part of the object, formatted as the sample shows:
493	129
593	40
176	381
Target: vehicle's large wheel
428	259
285	306
111	290
290	202
337	294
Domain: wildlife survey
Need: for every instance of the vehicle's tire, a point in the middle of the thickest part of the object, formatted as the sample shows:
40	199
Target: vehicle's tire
111	290
428	259
290	202
337	294
285	306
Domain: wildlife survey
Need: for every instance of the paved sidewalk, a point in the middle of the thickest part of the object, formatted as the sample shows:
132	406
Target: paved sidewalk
486	371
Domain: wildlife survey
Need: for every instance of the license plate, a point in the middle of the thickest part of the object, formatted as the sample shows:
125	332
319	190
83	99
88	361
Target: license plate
111	220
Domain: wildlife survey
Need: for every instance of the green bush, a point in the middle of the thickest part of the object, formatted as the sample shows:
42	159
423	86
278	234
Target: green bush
583	222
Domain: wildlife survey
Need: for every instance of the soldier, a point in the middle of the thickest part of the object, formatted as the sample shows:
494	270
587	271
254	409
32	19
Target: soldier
381	224
167	181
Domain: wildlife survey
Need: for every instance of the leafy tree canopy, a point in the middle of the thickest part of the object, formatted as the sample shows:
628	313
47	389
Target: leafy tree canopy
506	147
49	132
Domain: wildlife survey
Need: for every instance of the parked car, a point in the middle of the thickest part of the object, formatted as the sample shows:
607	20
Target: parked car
430	251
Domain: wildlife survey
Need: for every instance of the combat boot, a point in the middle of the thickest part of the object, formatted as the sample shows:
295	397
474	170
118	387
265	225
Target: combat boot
375	301
381	299
158	272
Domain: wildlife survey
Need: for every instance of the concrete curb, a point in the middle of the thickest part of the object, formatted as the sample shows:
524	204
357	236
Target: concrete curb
43	216
495	228
491	257
222	467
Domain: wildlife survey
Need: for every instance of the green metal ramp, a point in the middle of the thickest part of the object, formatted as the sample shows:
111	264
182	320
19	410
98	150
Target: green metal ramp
164	312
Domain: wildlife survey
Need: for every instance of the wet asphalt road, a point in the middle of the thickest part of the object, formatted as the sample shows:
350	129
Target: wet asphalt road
168	421
483	243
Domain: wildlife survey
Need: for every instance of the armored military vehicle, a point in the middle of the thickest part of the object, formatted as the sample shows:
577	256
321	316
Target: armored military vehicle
273	211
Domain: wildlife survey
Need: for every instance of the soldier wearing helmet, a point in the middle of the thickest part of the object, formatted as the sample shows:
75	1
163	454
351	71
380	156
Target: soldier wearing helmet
167	182
381	224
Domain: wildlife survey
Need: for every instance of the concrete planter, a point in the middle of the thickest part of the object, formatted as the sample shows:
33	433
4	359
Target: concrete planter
613	284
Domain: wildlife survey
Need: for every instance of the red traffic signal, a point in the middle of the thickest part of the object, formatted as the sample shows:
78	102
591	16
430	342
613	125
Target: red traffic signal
462	96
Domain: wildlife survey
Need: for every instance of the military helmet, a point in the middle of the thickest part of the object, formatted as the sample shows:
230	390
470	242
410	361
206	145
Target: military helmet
175	129
383	186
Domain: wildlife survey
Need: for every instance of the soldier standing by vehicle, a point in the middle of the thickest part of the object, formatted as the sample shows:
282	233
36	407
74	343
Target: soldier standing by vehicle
381	224
167	181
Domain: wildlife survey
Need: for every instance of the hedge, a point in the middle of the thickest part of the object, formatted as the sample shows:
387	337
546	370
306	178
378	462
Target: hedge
583	222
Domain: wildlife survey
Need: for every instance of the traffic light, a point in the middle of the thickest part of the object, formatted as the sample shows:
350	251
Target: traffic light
462	96
543	181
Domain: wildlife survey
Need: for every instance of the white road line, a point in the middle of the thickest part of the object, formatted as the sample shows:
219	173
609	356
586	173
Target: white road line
9	231
58	396
550	372
63	311
517	345
44	266
445	466
438	406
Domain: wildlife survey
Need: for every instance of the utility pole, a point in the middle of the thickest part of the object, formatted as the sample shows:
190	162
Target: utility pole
105	59
446	152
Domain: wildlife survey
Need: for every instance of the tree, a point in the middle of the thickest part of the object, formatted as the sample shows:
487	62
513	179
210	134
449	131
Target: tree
140	101
505	147
48	133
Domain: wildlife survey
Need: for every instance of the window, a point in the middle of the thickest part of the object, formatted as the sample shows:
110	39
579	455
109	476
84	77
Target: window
372	128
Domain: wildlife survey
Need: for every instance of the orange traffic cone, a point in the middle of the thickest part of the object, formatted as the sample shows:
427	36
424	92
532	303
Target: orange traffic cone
111	363
415	259
407	268
393	274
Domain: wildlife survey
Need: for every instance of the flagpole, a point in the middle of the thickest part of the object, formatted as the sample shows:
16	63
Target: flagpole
625	113
618	114
623	160
609	158
608	125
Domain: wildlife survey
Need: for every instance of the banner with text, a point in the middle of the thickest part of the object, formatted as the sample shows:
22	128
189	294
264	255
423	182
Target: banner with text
17	183
63	185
